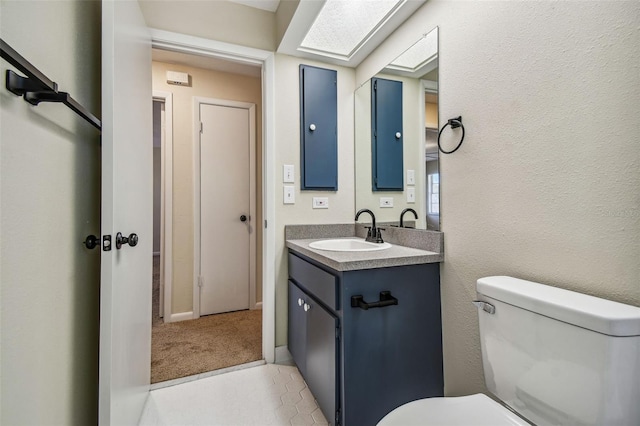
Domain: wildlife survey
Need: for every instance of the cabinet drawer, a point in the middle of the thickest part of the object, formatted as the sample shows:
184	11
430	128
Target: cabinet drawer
317	282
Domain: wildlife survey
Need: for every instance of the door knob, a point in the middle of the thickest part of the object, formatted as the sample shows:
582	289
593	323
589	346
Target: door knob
243	218
91	242
398	135
132	240
312	127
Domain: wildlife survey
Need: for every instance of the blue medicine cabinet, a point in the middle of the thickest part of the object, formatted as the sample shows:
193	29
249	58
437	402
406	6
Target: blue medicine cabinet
386	135
318	128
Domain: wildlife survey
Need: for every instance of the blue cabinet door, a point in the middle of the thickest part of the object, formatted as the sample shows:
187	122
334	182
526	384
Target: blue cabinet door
386	135
318	128
297	330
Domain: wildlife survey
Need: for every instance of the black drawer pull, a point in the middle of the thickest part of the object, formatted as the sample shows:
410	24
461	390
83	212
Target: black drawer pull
386	299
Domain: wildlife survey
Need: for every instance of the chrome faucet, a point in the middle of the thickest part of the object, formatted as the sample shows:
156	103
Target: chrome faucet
402	216
373	235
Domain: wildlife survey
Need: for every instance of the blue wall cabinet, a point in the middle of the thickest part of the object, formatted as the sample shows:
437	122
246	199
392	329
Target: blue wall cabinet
318	128
361	364
386	135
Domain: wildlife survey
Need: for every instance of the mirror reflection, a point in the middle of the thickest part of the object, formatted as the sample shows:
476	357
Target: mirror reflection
416	68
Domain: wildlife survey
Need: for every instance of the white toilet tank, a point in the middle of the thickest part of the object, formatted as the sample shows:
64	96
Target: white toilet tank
558	357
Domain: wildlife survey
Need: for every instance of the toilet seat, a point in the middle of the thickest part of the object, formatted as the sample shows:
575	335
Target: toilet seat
477	410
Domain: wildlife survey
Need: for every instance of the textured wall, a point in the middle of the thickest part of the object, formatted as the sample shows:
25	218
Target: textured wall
287	148
545	187
215	20
50	201
210	84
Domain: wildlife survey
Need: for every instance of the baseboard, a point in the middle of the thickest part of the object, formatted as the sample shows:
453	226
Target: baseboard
182	316
282	354
258	305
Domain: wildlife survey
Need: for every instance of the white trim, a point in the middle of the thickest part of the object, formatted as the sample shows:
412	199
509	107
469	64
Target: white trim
166	211
204	47
283	354
269	210
258	305
197	102
182	316
430	87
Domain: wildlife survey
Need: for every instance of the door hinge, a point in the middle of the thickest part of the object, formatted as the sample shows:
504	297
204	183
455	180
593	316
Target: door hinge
265	224
338	417
338	333
200	281
201	127
375	85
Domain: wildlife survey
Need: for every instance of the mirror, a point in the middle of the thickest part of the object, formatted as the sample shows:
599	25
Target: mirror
417	69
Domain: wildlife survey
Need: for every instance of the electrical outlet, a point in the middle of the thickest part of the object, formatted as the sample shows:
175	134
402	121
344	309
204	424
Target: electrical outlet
287	173
386	202
320	203
289	194
411	177
411	195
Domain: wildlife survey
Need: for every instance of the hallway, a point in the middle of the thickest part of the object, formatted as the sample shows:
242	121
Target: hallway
209	343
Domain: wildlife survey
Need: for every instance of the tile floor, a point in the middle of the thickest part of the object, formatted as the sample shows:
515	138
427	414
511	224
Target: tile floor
269	394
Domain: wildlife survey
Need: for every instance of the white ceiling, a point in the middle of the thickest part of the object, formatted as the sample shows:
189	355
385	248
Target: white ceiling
205	62
269	5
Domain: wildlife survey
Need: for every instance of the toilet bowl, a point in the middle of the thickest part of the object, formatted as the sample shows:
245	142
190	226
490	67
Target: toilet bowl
476	410
553	356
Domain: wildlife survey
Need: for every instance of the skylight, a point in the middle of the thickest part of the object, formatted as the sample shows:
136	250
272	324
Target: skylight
418	55
343	26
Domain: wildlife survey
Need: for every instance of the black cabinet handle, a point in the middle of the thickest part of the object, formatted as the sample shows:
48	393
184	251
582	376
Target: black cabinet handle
386	299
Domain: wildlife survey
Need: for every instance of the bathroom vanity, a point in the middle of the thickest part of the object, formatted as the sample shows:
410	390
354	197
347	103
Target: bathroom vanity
365	328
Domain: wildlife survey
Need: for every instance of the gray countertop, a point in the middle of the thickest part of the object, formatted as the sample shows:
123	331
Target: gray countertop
350	261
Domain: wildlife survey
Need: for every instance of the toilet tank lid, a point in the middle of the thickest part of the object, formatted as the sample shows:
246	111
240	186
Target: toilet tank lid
600	315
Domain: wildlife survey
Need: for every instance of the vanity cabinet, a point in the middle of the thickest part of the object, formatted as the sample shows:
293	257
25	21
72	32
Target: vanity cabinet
362	363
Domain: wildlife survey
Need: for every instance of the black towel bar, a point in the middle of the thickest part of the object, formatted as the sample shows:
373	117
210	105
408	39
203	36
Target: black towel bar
37	87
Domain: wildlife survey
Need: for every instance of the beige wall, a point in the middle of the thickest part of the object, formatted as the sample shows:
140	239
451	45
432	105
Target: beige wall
545	186
50	201
413	153
211	84
430	115
341	202
216	20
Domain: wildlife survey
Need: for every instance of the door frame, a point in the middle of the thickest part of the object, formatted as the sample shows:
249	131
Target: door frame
204	47
166	205
197	196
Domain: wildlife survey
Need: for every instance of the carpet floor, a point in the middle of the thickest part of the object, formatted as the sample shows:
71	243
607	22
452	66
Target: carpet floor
205	344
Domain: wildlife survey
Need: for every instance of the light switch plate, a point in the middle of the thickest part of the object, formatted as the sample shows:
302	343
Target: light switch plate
320	202
288	173
386	202
411	195
289	194
411	177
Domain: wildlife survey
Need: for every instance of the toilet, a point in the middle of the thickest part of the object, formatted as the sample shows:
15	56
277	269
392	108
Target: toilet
551	356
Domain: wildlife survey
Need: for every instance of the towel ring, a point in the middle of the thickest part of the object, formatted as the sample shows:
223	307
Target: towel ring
454	123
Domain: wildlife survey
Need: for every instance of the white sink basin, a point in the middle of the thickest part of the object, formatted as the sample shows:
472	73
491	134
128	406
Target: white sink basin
348	244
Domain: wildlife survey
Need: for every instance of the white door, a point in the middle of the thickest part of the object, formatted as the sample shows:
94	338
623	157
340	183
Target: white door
226	207
125	294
